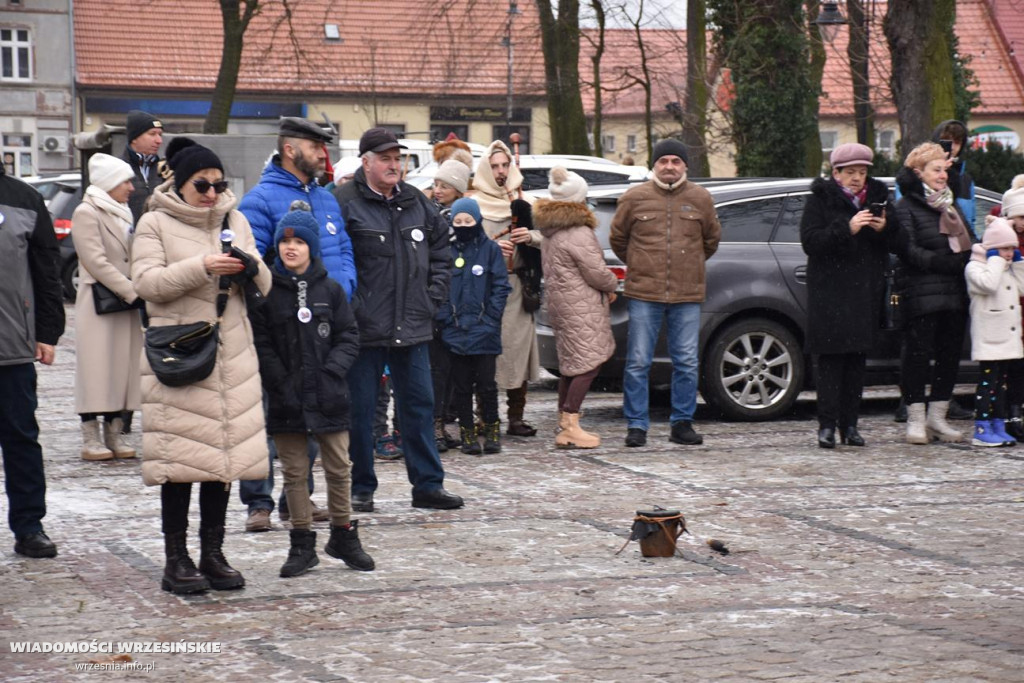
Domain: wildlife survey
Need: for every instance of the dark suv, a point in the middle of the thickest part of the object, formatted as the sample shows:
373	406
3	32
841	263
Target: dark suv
752	364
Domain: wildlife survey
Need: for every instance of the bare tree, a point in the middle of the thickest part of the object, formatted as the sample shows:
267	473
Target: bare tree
858	49
236	15
695	117
595	59
560	41
922	65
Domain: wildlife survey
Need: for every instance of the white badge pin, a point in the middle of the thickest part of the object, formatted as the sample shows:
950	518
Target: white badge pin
478	269
227	235
1	219
417	235
332	228
305	315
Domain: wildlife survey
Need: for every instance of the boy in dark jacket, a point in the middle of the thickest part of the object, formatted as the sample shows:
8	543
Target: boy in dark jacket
307	340
471	324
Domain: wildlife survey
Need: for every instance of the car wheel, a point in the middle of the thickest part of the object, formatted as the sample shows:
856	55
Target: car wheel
69	278
753	370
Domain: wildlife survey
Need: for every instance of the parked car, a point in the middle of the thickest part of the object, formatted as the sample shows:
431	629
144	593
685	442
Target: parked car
752	364
48	184
535	169
62	206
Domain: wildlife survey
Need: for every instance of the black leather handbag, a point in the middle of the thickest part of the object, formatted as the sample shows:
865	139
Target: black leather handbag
892	314
106	301
185	354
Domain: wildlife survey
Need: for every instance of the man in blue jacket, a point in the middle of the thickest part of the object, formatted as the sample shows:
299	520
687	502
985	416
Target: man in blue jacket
292	175
31	322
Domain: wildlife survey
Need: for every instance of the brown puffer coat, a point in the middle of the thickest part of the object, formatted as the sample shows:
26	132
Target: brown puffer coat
576	282
212	430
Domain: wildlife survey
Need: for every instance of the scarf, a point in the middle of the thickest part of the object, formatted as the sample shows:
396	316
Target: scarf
121	213
667	187
950	223
857	199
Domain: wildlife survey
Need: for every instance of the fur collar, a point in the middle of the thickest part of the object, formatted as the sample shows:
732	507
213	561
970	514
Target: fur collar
550	216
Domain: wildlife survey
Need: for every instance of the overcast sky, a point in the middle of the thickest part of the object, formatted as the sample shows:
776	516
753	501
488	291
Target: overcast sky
657	13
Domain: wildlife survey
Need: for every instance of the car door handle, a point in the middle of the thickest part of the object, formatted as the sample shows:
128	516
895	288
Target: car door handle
800	273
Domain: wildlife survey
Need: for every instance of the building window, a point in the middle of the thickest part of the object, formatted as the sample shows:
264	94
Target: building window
829	141
608	143
631	144
17	155
885	142
503	132
15	55
440	131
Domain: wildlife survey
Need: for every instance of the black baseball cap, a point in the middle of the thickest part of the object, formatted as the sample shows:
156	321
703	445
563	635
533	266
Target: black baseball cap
378	140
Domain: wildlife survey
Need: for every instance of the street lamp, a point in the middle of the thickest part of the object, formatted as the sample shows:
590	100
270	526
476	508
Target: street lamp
829	21
513	12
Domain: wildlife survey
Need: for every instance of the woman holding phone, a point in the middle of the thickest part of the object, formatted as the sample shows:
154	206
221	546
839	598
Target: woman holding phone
845	232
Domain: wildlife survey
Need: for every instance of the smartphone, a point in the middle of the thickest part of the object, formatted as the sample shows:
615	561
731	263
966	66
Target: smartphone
876	208
947	146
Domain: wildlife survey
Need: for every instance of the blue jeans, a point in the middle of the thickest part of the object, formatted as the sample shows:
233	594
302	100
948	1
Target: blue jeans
645	322
414	412
258	494
23	456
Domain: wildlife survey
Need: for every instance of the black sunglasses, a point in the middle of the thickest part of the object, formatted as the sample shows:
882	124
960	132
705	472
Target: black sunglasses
203	186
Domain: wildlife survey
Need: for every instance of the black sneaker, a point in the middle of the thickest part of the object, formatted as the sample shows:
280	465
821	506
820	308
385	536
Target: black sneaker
362	501
35	545
957	412
682	432
636	437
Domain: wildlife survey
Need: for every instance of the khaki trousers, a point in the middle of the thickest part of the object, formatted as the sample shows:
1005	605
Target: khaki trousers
291	451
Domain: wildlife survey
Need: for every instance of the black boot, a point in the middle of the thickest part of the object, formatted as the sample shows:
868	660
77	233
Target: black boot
180	573
212	563
344	545
302	555
439	439
1015	425
470	444
492	437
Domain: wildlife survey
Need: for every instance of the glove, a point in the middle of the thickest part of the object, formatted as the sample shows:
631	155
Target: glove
523	212
251	266
991	252
1017	256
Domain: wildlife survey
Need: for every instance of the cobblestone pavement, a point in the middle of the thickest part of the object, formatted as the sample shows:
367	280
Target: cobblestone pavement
888	563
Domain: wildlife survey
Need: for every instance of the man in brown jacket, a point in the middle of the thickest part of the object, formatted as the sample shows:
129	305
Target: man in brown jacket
664	230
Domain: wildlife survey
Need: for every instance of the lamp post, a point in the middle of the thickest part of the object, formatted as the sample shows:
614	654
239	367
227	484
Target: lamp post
513	12
829	22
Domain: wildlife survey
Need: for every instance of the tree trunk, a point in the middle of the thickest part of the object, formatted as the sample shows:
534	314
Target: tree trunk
560	40
922	66
235	16
598	6
816	70
857	50
695	118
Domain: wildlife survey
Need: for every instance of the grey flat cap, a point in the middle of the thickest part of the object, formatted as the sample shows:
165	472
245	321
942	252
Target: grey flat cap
296	127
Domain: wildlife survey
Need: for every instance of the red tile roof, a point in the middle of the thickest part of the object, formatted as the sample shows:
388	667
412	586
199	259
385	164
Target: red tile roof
400	47
1008	17
1000	86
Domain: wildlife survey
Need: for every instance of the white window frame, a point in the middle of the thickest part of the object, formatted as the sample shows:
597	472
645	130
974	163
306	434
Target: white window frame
11	145
834	135
890	149
608	143
15	45
631	144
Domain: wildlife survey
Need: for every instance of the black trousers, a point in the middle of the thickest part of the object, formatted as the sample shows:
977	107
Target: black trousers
1015	382
440	375
935	337
24	479
174	501
469	373
840	382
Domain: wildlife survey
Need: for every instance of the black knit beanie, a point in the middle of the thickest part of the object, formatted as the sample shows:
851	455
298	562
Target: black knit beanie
186	157
138	122
670	147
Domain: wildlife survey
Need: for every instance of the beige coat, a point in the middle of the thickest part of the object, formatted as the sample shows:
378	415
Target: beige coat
107	347
212	430
520	359
576	282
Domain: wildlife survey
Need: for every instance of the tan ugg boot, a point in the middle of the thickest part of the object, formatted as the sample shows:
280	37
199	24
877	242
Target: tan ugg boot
92	447
937	427
573	436
114	439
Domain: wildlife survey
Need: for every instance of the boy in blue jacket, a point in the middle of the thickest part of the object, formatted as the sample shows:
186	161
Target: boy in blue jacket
307	339
471	324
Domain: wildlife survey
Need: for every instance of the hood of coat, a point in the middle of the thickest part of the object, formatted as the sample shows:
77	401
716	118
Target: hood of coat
483	179
831	192
550	216
909	183
166	200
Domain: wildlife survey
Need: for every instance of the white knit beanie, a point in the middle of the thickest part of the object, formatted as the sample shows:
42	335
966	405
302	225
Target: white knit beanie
346	166
107	172
566	186
1013	199
455	173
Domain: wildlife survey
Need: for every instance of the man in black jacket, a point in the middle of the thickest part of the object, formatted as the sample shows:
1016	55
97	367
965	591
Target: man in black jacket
145	134
31	322
403	268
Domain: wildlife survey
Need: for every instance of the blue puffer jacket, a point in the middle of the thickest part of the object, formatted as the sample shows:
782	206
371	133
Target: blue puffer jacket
470	318
265	204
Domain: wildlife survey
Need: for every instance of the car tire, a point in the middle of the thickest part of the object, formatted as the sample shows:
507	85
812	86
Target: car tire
69	279
753	369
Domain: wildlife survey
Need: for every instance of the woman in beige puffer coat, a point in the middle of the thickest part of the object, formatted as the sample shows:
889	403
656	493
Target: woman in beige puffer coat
211	431
578	287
